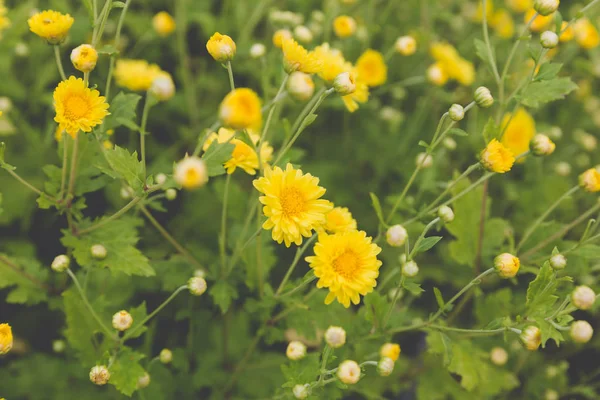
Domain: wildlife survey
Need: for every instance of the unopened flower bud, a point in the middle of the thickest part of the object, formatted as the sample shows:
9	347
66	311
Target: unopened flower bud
84	58
499	356
191	173
549	40
345	83
335	337
449	143
143	381
60	263
545	7
197	286
122	321
531	337
424	160
558	261
410	269
171	194
555	133
385	367
483	97
296	350
349	372
163	23
21	49
300	86
541	145
257	50
583	297
563	168
390	350
126	192
160	178
99	375
98	252
163	87
5	104
221	47
301	391
551	395
506	265
590	180
406	45
58	346
581	331
396	235
456	112
303	34
165	356
446	214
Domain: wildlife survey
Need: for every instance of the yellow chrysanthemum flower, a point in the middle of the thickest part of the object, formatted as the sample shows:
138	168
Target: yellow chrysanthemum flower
243	155
297	58
4	21
452	63
586	34
51	25
292	203
136	75
519	6
503	23
221	47
347	264
163	23
540	22
497	158
344	26
519	131
6	338
333	62
281	35
78	107
266	150
567	32
590	180
360	95
371	68
390	350
339	220
241	109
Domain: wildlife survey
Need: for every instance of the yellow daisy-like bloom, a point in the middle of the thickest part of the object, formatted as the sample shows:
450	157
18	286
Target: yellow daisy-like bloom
519	6
519	131
590	180
292	202
243	156
221	47
360	95
567	32
497	158
452	63
347	264
344	26
78	107
339	220
333	63
4	21
266	150
6	338
136	75
51	25
540	22
281	35
503	23
241	109
371	68
586	34
297	58
163	23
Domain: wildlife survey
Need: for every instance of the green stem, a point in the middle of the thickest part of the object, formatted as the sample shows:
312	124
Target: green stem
61	70
63	180
268	121
297	257
230	73
113	217
479	331
421	237
466	173
388	314
113	56
99	30
73	173
189	85
486	39
223	236
143	133
324	359
24	182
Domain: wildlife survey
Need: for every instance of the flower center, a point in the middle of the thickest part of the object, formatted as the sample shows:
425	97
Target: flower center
346	264
47	21
292	202
191	176
76	107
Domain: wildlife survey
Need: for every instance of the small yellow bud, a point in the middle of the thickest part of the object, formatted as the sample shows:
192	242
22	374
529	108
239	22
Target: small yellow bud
583	297
163	23
410	269
449	143
143	381
122	321
257	50
349	372
60	263
390	350
84	58
200	273
335	337
437	75
98	252
506	265
406	45
301	391
221	47
162	86
590	180
300	86
191	173
541	145
197	286
385	367
545	7
345	83
496	157
581	331
281	35
99	375
396	235
6	338
344	26
171	194
483	97
165	356
296	350
551	395
499	356
558	261
531	337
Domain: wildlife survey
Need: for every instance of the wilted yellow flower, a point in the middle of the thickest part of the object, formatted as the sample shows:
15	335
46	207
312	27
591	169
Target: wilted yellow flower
51	25
280	35
452	63
540	22
6	338
241	109
163	23
221	47
437	75
339	220
84	58
586	34
344	26
136	75
4	21
507	265
590	180
497	158
78	107
243	155
503	23
360	95
519	6
567	32
297	58
390	350
519	131
191	173
292	203
346	263
333	63
371	68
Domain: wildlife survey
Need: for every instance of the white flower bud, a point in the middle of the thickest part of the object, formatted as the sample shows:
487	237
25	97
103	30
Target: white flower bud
303	34
545	7
446	214
385	367
5	104
541	145
549	40
586	140
499	356
163	87
558	261
160	178
402	258
301	391
563	168
99	375
531	337
318	15
122	321
21	49
483	97
552	371
345	83
581	331
406	45
335	336
191	172
456	112
396	235
58	346
583	297
197	286
296	350
449	143
551	395
60	263
171	194
257	50
98	252
300	86
143	381
126	192
424	160
165	356
410	269
390	114
555	133
200	273
349	372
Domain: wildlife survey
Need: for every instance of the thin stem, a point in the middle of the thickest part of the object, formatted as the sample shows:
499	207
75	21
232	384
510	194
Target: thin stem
61	70
73	173
393	304
297	257
113	217
99	30
238	253
324	359
300	286
480	331
465	174
421	237
117	40
189	85
153	313
63	181
230	73
88	305
486	39
242	364
268	121
21	272
223	235
24	182
143	133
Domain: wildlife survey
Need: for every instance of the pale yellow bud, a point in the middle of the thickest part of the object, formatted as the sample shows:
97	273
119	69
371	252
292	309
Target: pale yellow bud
296	350
335	336
122	321
349	372
99	375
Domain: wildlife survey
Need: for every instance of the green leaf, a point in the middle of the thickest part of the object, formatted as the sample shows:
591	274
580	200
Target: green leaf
25	277
122	108
548	332
126	166
110	50
126	370
482	52
588	251
427	243
490	130
119	237
1	203
541	293
494	305
377	207
438	297
376	306
138	314
223	294
217	155
117	4
548	71
457	132
412	287
4	164
542	92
